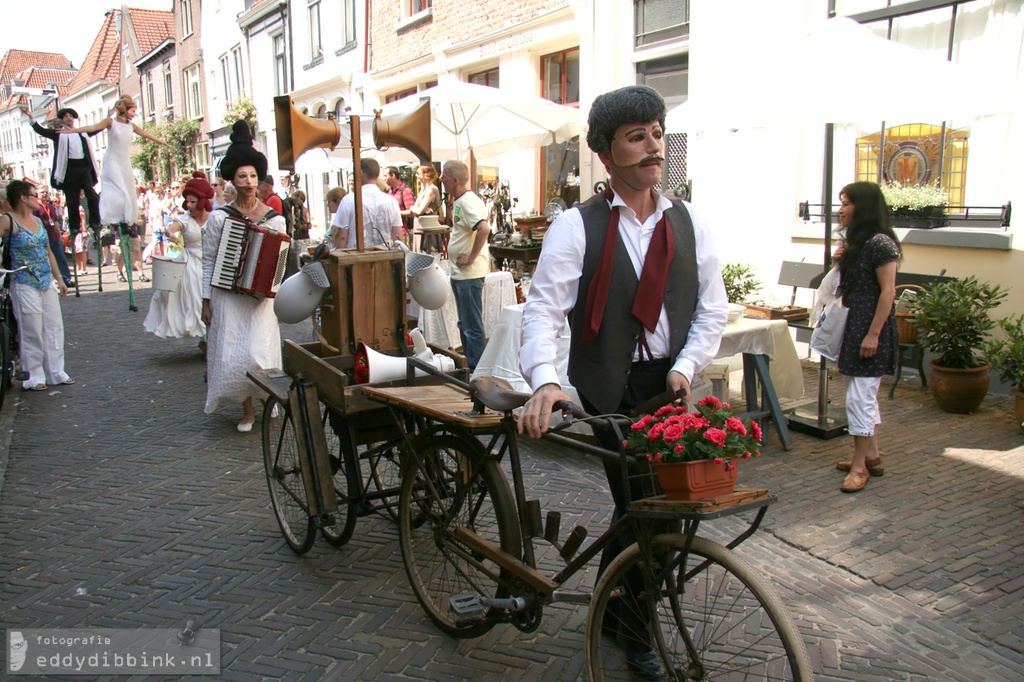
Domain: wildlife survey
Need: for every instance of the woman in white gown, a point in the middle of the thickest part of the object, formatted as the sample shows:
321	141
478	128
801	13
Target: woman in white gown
118	204
243	334
179	314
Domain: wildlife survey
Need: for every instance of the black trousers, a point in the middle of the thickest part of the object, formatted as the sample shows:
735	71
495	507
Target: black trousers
78	179
626	618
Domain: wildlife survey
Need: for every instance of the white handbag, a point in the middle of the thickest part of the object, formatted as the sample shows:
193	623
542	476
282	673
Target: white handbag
827	337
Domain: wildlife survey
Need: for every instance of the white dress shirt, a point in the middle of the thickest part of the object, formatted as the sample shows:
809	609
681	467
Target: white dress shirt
555	287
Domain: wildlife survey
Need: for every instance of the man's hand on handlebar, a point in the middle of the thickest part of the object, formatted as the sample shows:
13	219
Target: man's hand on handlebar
536	414
677	382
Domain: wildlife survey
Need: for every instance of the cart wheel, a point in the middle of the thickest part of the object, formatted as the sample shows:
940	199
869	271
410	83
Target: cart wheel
284	478
339	532
386	472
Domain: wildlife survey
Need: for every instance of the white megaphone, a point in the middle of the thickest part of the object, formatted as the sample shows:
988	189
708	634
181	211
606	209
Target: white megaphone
425	279
299	295
373	367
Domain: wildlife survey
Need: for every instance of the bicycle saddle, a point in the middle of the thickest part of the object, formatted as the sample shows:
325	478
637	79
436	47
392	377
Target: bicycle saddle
495	393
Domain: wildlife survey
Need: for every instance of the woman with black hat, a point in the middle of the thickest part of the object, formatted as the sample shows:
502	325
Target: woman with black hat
242	331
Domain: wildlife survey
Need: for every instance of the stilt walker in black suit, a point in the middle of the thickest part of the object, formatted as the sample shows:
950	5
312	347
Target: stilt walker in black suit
74	171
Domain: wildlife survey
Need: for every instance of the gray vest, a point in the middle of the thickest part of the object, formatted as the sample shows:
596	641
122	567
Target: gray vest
599	369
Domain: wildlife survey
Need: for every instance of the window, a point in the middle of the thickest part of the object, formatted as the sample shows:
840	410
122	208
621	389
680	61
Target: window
661	20
399	95
168	84
203	155
561	74
238	85
348	23
193	92
186	18
225	75
316	48
670	77
489	77
150	92
560	163
280	66
414	7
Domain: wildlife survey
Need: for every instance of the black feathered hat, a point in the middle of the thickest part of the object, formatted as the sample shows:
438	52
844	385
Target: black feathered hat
241	153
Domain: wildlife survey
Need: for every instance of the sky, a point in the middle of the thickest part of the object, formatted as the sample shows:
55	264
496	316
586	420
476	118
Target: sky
66	27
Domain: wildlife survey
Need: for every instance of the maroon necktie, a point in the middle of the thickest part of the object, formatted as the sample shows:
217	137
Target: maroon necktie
650	293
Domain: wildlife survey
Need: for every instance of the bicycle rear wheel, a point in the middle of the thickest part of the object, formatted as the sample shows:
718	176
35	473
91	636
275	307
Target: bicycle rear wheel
471	492
7	358
339	532
708	612
284	477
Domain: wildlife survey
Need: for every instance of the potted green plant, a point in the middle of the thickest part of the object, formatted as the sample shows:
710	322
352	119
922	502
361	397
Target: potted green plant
953	321
740	282
1007	358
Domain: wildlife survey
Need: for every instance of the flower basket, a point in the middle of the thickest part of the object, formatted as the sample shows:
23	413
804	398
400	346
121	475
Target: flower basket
904	318
693	452
695	480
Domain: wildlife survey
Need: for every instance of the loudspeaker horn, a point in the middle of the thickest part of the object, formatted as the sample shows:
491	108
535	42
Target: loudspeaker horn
374	367
411	131
297	133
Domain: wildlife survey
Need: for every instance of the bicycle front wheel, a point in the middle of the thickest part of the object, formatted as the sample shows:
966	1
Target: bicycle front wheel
284	477
708	613
456	484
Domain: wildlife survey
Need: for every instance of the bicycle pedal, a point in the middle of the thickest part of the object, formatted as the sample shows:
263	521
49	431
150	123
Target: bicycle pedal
467	609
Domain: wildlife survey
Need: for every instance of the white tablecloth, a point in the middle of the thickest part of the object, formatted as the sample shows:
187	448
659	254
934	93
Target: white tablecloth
441	327
760	337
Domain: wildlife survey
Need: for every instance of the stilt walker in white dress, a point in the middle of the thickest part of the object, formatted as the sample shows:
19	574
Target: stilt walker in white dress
118	205
179	314
242	331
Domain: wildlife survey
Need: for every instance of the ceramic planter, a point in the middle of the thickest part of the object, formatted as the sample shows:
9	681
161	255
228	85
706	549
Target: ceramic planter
696	480
959	391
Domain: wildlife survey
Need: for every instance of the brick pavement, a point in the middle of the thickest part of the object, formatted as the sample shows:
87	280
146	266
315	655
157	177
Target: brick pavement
123	505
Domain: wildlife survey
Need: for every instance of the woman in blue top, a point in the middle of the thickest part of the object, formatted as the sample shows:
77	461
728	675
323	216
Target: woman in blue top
34	292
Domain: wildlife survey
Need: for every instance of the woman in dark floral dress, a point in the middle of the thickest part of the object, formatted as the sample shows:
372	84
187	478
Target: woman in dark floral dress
867	266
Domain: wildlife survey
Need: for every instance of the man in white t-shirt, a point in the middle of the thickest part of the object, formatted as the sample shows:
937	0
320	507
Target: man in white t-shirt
469	256
382	222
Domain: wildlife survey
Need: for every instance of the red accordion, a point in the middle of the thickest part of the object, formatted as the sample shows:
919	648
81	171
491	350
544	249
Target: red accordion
250	259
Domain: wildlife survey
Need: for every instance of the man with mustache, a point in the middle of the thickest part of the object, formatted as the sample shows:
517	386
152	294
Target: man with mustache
639	276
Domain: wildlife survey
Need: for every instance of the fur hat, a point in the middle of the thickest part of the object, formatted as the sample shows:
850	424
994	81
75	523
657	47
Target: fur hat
631	104
241	153
200	189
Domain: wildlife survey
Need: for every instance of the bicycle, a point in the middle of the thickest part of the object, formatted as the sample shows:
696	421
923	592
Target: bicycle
467	540
9	372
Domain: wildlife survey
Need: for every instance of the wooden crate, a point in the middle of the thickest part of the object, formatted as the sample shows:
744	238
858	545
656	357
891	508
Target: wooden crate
784	313
366	301
332	375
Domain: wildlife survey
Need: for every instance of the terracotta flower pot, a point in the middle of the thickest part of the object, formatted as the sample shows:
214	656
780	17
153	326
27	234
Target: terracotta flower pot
959	391
696	480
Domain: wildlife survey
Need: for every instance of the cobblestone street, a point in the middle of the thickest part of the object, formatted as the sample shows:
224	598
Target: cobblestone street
122	505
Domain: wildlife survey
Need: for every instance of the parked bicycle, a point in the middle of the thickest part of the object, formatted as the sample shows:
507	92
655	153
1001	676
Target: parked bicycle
9	371
468	542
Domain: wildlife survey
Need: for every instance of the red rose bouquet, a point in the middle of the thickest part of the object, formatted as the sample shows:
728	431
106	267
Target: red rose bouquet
674	434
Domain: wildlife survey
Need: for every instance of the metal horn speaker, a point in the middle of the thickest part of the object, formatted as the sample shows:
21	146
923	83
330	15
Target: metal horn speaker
411	131
298	133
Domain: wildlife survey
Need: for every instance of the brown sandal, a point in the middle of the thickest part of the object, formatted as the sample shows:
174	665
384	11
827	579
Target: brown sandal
854	483
874	466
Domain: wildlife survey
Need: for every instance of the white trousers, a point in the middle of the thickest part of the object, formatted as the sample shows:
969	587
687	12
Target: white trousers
40	334
862	405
